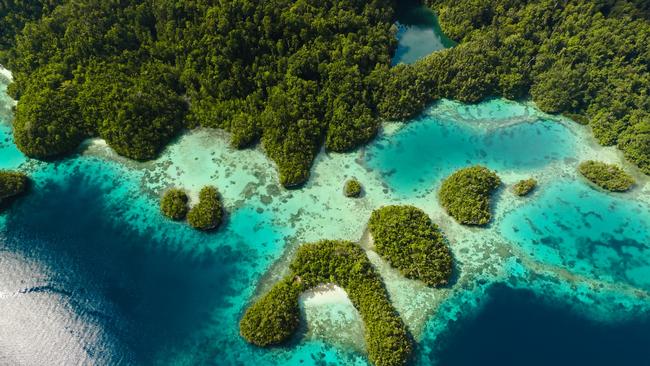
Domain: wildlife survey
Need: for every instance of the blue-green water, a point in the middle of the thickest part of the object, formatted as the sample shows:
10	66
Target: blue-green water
418	33
448	137
586	232
89	266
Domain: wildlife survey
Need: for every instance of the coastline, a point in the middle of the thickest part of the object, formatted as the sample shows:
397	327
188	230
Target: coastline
274	221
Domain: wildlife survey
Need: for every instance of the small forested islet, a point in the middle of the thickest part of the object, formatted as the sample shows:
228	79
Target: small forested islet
524	187
407	238
12	184
465	194
606	176
207	214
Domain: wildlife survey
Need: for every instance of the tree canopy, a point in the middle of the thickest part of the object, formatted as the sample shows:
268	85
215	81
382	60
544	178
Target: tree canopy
294	74
207	214
524	187
606	176
173	204
410	242
12	184
466	195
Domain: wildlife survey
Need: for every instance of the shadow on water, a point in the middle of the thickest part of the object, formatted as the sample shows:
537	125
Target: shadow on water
517	327
158	296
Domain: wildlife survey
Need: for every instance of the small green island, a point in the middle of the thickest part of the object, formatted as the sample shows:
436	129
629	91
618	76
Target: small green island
607	176
12	185
466	194
353	188
410	242
274	318
208	213
524	187
174	204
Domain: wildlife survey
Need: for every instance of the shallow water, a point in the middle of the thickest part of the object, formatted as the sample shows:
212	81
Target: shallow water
88	265
585	231
498	134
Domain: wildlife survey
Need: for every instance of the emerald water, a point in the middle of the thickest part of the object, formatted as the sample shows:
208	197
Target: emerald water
418	33
91	273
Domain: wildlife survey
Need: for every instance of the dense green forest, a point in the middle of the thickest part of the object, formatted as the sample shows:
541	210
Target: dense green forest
301	74
587	59
275	316
12	185
606	176
352	188
173	204
524	187
294	74
207	214
407	238
466	194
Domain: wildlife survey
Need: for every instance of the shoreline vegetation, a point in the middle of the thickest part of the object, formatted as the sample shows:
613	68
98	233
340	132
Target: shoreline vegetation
294	76
582	59
607	176
208	213
408	240
12	185
353	188
466	195
524	187
174	204
274	318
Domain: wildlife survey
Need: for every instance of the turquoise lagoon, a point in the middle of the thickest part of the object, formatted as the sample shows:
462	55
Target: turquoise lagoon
87	263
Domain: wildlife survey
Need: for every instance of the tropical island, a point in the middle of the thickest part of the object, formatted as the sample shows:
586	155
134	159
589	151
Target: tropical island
12	185
410	242
352	188
275	317
207	214
466	194
173	204
606	176
524	187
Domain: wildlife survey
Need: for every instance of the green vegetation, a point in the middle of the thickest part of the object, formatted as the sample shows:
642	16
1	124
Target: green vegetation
273	318
583	58
208	213
298	74
352	188
293	74
410	242
606	176
524	187
174	204
466	195
12	184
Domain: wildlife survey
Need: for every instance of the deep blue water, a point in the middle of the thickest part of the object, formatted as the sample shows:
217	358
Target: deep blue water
517	327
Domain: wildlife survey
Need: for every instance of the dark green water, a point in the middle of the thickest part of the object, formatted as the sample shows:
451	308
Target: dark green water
418	34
